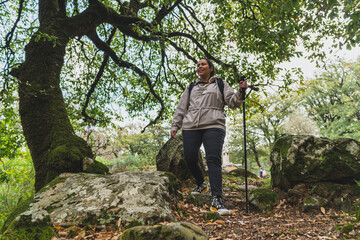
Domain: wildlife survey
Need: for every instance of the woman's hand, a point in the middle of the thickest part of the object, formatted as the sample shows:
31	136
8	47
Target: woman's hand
243	84
173	134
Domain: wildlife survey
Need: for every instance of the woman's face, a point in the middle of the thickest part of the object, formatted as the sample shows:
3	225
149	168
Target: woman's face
203	69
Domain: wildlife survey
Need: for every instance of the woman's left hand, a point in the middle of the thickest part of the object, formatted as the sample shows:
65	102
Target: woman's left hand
243	84
173	134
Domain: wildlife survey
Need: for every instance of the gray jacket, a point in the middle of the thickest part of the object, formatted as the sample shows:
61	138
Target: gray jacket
205	107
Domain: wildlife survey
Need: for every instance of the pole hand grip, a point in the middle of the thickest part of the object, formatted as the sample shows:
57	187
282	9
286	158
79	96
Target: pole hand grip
243	90
243	78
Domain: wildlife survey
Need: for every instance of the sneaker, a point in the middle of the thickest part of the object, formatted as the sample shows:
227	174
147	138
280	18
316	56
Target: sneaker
218	206
203	188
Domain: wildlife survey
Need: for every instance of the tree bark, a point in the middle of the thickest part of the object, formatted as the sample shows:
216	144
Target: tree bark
256	154
54	147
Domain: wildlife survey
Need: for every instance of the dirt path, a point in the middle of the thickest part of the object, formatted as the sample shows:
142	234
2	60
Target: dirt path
284	222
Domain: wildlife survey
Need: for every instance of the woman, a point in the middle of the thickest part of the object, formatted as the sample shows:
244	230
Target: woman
200	114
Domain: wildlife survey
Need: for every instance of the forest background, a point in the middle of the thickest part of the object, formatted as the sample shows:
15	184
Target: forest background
101	92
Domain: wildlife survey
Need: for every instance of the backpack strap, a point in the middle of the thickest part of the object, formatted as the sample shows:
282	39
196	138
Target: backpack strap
220	84
191	86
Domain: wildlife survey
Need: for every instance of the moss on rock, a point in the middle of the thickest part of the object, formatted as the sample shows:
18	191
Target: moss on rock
133	223
174	182
240	172
25	227
52	184
263	198
92	166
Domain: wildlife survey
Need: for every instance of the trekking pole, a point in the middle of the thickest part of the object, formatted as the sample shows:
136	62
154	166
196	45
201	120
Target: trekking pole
243	93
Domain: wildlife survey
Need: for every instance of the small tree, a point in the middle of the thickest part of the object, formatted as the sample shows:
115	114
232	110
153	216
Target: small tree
130	141
263	127
300	124
332	100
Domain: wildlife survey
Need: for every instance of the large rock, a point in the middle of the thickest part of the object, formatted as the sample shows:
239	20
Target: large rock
136	198
240	172
171	159
182	230
308	159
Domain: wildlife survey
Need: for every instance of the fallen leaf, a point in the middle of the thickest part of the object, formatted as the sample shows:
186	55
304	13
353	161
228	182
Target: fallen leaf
219	222
63	233
323	210
58	228
118	223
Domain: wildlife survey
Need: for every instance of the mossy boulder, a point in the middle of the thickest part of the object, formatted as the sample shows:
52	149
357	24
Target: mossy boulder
263	199
308	159
240	172
178	231
171	159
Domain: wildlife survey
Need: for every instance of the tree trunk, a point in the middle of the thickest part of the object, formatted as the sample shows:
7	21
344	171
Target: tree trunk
256	154
252	146
54	147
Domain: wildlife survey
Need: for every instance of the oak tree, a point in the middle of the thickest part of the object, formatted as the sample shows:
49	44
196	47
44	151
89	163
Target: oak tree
87	59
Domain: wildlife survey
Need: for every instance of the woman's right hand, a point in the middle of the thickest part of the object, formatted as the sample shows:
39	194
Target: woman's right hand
173	134
243	84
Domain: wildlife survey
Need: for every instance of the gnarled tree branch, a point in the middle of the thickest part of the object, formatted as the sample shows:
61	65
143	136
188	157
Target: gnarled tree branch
98	13
97	79
109	51
165	11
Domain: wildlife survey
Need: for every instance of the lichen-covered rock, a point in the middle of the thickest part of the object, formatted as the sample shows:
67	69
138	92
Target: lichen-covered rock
308	159
171	159
263	199
137	198
181	231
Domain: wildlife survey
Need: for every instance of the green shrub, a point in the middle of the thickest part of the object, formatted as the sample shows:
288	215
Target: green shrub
129	162
17	177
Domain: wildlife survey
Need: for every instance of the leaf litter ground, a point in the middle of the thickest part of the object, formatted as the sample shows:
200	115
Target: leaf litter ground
284	222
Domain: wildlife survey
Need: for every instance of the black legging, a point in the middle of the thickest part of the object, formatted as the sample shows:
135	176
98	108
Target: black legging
213	140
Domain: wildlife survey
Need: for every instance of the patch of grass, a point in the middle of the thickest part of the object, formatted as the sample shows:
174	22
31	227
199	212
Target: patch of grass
18	184
127	163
